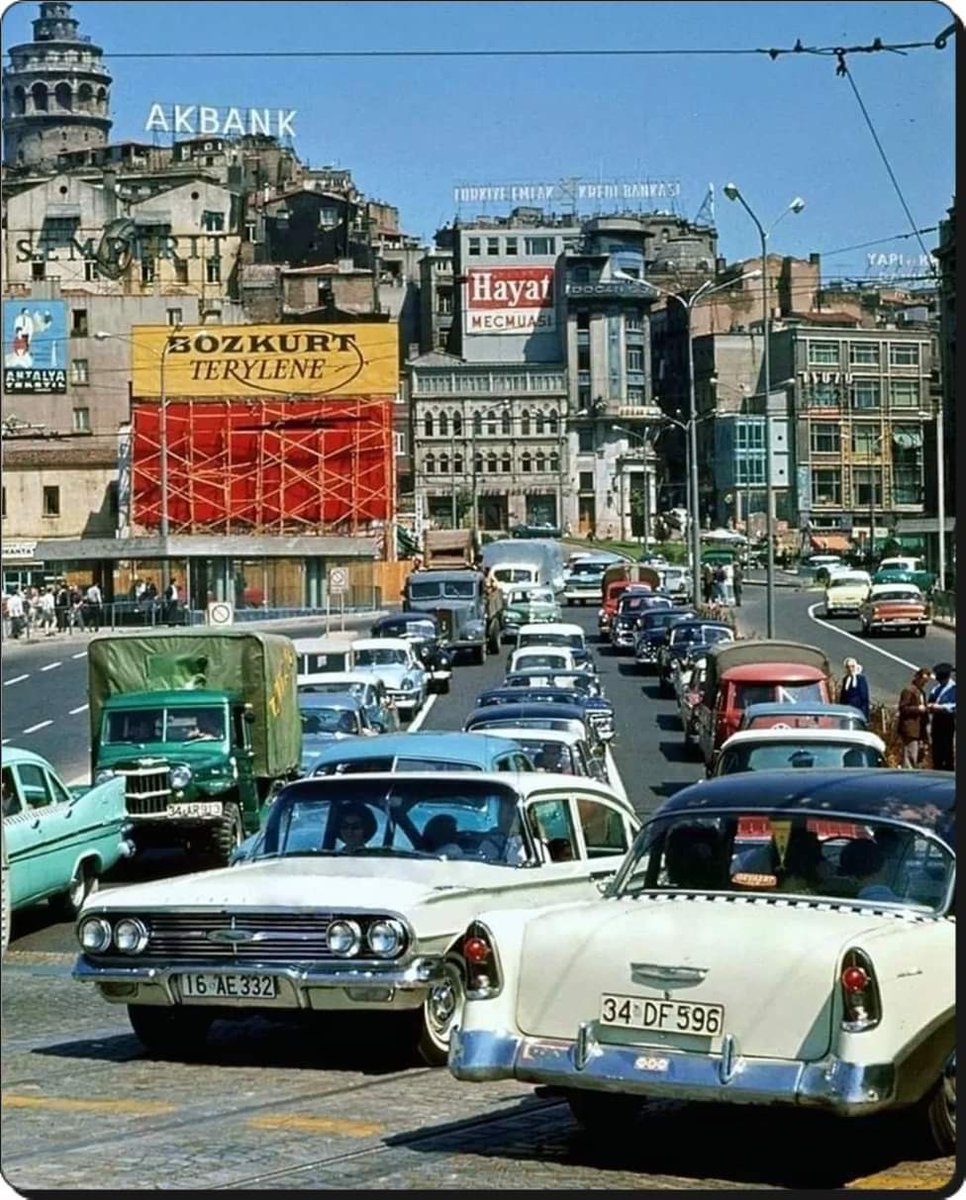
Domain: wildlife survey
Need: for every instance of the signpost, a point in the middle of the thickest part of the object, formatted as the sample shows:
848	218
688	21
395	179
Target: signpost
338	585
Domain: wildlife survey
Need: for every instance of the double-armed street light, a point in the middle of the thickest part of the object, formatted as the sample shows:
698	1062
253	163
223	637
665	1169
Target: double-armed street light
795	206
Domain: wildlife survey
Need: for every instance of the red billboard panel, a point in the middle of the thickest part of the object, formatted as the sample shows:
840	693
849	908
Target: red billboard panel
509	300
252	466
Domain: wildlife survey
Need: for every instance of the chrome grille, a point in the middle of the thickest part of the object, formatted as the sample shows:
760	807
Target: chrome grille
146	790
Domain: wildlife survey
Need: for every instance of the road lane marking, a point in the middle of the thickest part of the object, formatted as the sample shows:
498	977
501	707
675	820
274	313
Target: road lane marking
423	713
39	725
306	1124
50	666
83	654
16	679
135	1108
866	642
74	711
613	775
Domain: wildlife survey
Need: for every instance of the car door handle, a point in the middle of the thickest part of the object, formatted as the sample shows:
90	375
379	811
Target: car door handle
35	823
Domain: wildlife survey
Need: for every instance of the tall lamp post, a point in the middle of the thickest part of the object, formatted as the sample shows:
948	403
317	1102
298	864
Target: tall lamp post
795	206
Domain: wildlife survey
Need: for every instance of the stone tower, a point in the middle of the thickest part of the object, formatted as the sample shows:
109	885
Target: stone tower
56	92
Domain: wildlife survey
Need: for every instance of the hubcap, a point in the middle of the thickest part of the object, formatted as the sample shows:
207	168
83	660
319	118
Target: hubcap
441	1006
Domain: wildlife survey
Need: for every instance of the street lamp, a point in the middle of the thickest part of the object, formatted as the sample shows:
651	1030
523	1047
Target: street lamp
796	206
642	438
706	289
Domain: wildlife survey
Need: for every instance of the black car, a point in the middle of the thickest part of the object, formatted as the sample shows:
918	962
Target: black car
536	677
630	609
538	715
652	632
422	630
680	640
599	711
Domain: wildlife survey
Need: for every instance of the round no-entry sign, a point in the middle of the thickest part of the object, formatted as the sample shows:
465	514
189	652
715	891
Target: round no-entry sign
338	579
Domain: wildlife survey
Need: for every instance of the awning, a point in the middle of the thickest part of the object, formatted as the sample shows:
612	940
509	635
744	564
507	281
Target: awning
833	543
204	546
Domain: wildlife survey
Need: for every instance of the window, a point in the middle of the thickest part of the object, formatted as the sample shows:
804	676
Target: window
554	462
492	245
826	487
583	358
212	222
866	487
866	393
904	354
541	461
213	270
79	375
635	396
3	502
90	270
477	464
444	302
37	270
444	464
174	316
429	464
477	424
907	485
585	440
553	421
823	353
633	322
904	393
180	270
550	823
457	424
604	829
525	423
511	245
113	506
539	424
428	425
491	463
864	354
506	463
473	246
399	442
825	438
443	425
585	481
82	420
635	358
866	439
148	274
538	245
457	464
526	462
51	502
491	424
34	785
505	425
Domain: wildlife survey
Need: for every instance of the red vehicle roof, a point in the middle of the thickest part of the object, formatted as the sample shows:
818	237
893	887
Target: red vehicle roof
773	672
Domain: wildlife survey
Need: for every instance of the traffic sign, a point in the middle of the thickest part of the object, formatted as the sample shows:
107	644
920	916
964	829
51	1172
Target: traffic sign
220	613
338	581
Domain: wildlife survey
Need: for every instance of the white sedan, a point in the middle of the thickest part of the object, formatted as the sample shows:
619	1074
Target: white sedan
394	661
773	938
352	898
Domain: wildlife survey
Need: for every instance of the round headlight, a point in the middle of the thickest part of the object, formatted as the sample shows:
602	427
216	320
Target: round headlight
95	935
180	776
344	937
103	775
385	938
130	935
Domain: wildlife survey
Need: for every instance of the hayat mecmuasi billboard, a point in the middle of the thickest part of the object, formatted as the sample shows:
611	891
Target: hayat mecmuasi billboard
508	300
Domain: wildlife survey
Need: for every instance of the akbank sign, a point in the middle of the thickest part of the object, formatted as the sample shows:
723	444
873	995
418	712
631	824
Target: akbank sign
198	120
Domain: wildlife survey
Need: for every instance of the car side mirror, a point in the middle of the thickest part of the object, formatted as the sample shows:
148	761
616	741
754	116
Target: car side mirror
603	885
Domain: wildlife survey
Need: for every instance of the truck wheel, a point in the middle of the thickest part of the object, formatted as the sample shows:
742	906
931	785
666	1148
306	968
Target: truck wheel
226	835
921	631
67	904
178	1033
478	655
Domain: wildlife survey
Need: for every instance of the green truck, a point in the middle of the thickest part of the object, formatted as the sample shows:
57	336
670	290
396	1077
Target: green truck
203	726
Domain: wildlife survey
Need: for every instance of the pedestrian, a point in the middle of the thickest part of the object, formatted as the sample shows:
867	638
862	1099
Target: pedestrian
93	606
854	687
76	620
48	611
15	612
912	722
171	602
707	582
737	579
62	605
718	581
942	707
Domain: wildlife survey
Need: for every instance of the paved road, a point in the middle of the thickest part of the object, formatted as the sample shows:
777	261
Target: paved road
333	1107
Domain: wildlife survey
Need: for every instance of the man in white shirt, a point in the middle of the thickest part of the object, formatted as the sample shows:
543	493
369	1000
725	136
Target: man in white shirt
93	598
15	613
48	613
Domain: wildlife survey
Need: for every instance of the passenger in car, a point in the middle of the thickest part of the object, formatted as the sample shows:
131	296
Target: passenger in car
864	861
440	836
693	858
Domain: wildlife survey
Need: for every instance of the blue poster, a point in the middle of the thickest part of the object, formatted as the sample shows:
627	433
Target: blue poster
34	346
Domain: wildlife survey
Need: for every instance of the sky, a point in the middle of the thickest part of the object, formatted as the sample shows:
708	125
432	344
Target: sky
412	127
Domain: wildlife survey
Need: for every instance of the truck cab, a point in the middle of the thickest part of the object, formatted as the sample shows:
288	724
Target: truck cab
467	612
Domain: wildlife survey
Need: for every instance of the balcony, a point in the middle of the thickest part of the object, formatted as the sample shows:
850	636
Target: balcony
639	412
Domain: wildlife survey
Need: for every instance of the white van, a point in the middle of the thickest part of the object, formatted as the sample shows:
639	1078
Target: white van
321	655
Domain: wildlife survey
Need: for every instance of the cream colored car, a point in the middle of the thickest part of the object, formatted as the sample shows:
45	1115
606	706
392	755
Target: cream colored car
845	592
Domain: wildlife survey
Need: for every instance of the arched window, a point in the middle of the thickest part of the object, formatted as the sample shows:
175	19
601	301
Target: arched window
506	463
101	96
526	462
477	464
428	425
430	464
491	464
64	97
555	462
39	93
505	423
491	424
554	421
525	422
477	424
20	103
541	460
85	95
457	424
539	423
458	464
444	464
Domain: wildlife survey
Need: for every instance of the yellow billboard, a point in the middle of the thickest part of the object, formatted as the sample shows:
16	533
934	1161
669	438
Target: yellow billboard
259	360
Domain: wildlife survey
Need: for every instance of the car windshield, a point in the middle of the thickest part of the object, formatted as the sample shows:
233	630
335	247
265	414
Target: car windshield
821	857
849	581
514	574
590	570
369	766
408	629
355	688
537	658
318	719
319	664
686	633
203	723
415	818
896	594
549	756
789	753
388	656
434	589
780	693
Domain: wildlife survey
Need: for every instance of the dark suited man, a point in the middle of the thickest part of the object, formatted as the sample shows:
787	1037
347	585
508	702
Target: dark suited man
942	709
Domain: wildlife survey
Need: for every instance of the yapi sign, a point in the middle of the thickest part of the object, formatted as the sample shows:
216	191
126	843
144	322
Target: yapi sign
509	300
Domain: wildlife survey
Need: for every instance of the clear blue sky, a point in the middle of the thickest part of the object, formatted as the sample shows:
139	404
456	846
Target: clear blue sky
410	128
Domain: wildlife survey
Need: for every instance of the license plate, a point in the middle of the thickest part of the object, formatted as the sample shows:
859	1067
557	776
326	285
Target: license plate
229	987
662	1016
196	808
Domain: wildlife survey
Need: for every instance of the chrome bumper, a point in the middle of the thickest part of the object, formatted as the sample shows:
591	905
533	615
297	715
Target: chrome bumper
727	1077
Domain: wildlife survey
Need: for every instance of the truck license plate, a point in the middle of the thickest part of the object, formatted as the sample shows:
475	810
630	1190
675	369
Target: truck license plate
228	987
196	808
664	1016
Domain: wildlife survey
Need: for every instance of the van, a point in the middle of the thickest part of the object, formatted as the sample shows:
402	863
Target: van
320	655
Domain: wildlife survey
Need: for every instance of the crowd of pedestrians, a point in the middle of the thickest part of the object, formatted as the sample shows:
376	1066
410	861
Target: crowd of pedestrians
55	608
926	718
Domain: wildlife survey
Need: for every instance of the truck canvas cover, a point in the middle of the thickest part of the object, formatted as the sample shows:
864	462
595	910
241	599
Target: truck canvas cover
259	667
725	655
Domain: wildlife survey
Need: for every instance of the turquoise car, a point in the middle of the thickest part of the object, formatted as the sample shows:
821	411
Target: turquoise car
58	840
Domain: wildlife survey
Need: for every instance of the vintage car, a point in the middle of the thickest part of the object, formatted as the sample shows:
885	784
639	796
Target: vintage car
329	717
530	714
905	569
560	751
768	715
652	632
895	608
547	658
820	566
424	751
676	581
467	612
582	579
779	938
394	661
353	899
324	655
681	637
583	681
613	590
598	710
630	610
422	631
775	748
845	592
526	605
367	689
59	840
557	633
749	671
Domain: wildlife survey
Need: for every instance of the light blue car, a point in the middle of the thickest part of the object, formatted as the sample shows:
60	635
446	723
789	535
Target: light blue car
423	751
58	839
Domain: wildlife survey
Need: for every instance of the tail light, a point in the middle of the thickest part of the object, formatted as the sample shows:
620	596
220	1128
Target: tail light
861	1006
480	962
